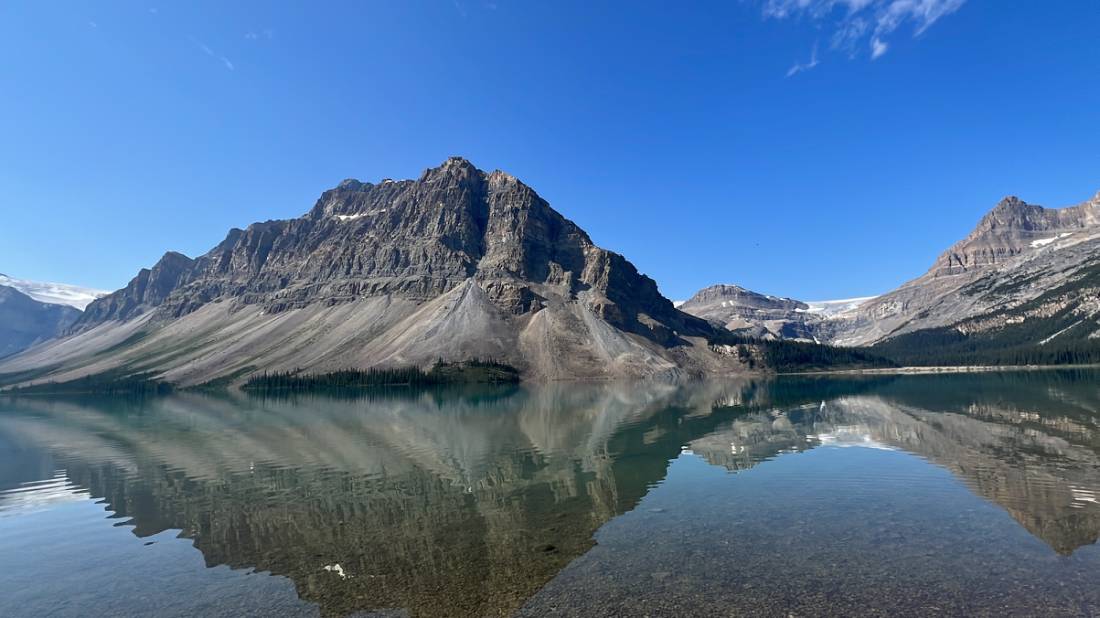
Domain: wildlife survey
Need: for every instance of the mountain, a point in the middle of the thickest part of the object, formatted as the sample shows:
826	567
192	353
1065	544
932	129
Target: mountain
1022	263
750	313
54	293
765	316
1024	282
458	264
25	321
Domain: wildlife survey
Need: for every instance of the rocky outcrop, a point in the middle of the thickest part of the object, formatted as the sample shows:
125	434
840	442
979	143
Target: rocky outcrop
149	289
457	263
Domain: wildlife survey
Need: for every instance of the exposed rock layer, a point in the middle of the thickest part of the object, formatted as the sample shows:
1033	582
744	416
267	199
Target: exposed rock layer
1022	263
457	264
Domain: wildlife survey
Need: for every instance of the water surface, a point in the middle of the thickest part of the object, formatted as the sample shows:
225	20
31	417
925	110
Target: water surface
919	495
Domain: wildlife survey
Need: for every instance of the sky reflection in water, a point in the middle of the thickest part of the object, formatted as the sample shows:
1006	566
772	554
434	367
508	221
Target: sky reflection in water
923	494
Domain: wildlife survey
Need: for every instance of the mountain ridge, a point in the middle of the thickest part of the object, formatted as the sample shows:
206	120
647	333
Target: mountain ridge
1015	254
458	263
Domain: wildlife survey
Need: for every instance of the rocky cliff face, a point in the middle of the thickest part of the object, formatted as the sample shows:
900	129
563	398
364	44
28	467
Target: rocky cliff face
25	322
1017	253
1022	264
1013	228
455	264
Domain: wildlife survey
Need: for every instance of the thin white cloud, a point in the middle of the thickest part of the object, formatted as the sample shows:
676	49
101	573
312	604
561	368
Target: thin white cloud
213	54
804	66
858	23
878	48
251	36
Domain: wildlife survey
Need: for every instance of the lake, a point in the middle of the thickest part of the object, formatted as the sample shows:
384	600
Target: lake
891	495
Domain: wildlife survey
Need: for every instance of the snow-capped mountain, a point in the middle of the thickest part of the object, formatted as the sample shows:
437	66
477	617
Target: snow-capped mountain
763	315
832	308
54	293
25	322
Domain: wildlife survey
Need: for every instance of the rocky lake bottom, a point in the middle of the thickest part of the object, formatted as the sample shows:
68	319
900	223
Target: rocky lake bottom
953	495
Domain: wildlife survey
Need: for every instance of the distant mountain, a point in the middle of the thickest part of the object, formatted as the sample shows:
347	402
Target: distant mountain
25	321
1021	263
54	293
458	264
1024	283
765	316
751	313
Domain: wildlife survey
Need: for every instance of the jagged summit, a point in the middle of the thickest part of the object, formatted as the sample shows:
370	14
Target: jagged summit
457	264
1011	228
349	184
1017	253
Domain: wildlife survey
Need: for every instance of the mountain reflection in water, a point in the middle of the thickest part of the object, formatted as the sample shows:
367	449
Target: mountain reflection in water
468	502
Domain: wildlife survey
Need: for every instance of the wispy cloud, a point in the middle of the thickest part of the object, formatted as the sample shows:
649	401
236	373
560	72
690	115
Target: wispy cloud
878	48
863	24
256	35
213	54
804	66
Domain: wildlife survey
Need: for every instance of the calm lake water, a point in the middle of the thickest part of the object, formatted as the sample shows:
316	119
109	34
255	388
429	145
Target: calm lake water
921	495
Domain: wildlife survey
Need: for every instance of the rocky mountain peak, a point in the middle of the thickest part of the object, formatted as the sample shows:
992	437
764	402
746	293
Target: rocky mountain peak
1014	227
749	312
737	296
454	167
411	241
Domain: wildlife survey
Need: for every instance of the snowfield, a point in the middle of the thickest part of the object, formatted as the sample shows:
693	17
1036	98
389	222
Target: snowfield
54	293
830	308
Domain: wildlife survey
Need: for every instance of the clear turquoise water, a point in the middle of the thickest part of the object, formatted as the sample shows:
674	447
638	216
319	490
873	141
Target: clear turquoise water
920	495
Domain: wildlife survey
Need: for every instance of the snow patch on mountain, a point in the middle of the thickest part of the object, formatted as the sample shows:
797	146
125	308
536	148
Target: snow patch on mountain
1042	242
832	308
54	293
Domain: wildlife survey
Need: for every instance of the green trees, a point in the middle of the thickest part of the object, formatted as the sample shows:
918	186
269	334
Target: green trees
472	371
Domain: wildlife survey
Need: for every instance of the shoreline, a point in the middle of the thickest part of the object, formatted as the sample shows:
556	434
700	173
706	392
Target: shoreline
918	370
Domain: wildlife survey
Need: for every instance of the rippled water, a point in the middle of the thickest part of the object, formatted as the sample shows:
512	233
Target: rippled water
919	495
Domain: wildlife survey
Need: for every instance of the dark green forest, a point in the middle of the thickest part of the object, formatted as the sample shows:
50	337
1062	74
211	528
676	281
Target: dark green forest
785	356
476	371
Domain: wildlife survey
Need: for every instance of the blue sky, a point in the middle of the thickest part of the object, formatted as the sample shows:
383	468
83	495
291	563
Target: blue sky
809	148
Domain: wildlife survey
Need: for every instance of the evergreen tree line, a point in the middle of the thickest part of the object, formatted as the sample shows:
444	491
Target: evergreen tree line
483	370
784	355
946	347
